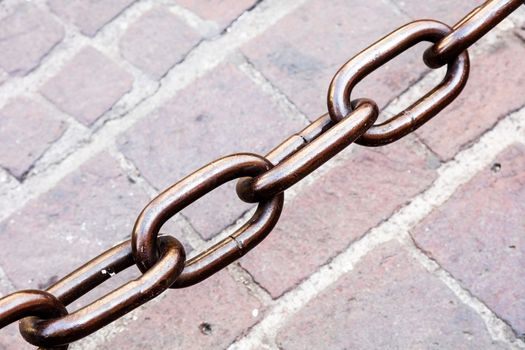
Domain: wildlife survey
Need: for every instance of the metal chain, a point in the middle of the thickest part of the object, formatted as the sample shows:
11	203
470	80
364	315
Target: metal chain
45	321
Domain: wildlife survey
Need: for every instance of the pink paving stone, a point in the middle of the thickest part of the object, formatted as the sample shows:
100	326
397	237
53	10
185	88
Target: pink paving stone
88	85
301	53
87	212
10	339
478	236
89	15
26	36
27	129
490	94
157	41
336	210
220	114
221	11
388	301
179	320
447	11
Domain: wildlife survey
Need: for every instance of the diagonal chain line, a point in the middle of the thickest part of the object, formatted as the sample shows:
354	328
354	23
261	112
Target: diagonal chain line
393	105
263	180
452	175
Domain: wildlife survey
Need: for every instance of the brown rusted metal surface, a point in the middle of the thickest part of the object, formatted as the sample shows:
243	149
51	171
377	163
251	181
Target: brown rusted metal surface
373	57
45	321
469	30
188	190
41	304
46	332
306	159
18	305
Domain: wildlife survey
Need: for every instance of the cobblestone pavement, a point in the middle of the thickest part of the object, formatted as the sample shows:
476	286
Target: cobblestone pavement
417	245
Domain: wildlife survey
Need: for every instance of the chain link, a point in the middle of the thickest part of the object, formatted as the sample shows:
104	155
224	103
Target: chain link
310	156
378	54
162	260
60	331
187	191
469	30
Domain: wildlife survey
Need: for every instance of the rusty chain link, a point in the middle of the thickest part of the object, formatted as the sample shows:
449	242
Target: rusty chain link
45	321
378	54
468	30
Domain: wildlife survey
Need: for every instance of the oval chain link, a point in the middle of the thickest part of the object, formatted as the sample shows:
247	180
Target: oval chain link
376	55
469	30
68	328
44	319
295	166
187	191
27	303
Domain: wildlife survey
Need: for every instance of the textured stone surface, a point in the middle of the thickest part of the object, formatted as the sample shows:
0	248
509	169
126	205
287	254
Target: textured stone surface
27	129
52	221
221	11
388	301
89	15
301	53
26	36
478	236
89	211
489	95
180	319
88	85
221	113
447	11
10	339
157	41
339	208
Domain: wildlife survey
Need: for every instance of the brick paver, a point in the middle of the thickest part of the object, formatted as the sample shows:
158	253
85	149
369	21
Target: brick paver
478	236
325	218
88	15
491	89
387	301
87	212
157	41
88	86
221	113
222	12
71	190
447	11
23	143
209	315
301	53
26	36
11	338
